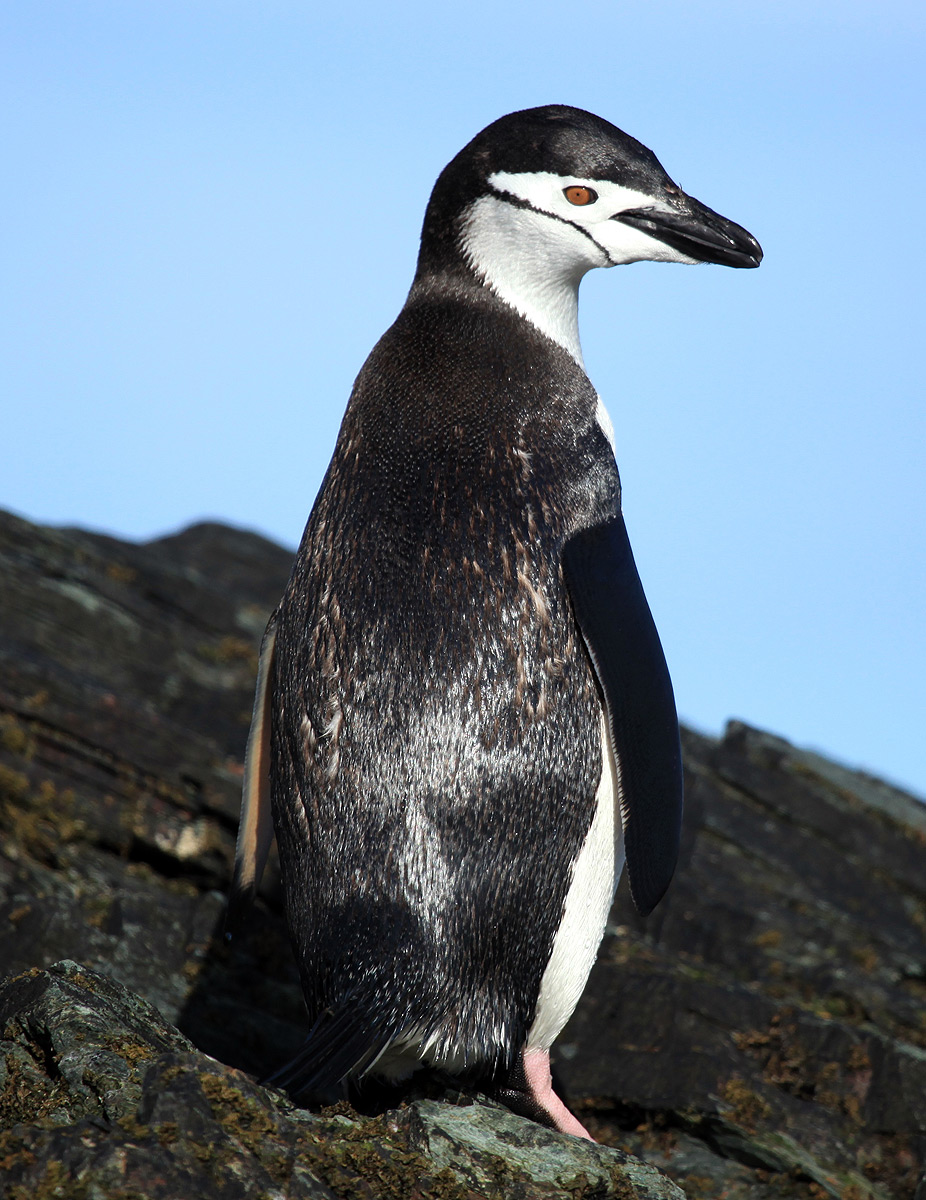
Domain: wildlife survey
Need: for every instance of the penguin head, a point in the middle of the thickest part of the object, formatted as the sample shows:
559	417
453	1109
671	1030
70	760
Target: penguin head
540	197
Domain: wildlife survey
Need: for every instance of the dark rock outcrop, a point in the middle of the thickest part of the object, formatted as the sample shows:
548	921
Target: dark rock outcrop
762	1034
102	1097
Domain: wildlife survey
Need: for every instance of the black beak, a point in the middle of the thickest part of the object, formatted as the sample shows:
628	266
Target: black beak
697	232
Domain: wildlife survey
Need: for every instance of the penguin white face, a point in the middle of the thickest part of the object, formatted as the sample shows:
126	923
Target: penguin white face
533	262
535	234
593	208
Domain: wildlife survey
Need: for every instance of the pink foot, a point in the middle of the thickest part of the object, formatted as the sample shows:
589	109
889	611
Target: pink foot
528	1090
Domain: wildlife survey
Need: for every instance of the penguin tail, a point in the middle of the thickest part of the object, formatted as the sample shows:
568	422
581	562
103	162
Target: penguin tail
341	1043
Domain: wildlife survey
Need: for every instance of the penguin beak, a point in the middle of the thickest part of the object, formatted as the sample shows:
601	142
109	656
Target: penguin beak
696	231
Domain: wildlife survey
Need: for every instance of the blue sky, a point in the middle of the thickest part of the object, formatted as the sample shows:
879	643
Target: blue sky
211	212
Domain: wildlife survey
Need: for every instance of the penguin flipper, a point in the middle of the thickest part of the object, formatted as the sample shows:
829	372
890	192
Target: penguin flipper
624	647
255	826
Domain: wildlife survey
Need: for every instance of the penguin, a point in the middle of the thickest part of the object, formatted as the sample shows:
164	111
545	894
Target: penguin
464	724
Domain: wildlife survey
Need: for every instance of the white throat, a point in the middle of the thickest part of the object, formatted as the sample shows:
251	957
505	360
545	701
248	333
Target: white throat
534	262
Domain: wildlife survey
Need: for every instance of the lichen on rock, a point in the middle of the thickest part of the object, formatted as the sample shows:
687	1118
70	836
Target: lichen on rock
100	1096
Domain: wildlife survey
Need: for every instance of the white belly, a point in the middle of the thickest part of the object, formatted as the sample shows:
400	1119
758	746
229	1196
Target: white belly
588	902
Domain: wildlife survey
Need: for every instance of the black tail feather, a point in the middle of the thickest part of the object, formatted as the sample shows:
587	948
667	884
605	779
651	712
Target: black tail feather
340	1043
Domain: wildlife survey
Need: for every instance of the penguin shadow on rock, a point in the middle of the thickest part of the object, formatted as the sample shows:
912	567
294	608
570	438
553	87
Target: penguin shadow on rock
246	1007
464	723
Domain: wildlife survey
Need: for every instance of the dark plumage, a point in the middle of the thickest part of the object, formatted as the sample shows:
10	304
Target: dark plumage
462	608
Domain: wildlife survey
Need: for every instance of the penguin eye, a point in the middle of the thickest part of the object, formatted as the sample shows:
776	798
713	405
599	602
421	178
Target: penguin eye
580	195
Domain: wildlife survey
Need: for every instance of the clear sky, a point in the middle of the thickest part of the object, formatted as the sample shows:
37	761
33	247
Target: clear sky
210	212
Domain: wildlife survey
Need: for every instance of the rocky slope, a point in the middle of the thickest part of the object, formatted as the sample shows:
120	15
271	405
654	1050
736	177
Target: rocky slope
761	1035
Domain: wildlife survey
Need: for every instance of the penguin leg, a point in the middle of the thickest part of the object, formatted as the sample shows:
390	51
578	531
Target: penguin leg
527	1089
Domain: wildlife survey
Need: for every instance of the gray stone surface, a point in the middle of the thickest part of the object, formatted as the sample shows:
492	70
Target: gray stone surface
102	1098
762	1034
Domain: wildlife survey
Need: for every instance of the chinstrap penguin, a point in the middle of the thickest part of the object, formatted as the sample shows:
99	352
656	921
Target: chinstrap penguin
464	720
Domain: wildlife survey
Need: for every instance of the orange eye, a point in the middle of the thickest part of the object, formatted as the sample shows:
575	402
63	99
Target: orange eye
580	195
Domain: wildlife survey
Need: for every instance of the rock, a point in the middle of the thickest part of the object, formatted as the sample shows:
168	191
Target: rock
101	1097
126	675
761	1035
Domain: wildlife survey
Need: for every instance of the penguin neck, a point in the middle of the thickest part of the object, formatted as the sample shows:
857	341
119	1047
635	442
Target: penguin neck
478	267
538	277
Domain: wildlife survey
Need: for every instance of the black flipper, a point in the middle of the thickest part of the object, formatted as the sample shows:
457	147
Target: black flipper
624	647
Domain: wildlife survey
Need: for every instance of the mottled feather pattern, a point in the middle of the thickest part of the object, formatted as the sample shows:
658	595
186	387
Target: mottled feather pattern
435	737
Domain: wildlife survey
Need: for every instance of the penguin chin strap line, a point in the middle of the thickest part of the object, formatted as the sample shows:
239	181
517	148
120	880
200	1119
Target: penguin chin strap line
520	202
